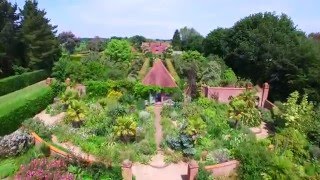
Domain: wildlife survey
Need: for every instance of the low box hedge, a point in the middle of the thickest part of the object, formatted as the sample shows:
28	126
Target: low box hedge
12	115
14	83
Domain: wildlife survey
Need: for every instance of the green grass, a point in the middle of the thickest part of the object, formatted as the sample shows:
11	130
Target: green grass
9	166
11	100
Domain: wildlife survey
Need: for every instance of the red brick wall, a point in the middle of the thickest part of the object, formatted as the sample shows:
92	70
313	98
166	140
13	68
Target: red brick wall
224	94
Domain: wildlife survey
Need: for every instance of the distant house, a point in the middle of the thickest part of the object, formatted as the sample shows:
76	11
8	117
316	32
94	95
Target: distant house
155	47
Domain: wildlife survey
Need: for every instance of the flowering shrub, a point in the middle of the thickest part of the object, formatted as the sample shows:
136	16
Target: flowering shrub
45	169
114	95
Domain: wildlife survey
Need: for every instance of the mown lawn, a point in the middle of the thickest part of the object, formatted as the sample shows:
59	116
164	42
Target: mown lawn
10	166
11	100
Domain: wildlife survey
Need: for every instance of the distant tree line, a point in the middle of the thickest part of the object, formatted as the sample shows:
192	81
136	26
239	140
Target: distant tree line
27	39
263	47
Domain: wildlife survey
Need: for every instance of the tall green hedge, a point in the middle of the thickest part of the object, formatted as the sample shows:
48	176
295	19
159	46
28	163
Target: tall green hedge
14	83
11	120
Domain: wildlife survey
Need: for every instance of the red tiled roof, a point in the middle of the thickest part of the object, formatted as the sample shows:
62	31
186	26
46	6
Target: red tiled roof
159	76
155	47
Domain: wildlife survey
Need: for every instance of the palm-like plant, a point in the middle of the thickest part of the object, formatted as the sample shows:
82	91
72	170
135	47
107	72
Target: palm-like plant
68	96
125	128
76	112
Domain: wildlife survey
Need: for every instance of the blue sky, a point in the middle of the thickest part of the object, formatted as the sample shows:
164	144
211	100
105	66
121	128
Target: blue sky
159	18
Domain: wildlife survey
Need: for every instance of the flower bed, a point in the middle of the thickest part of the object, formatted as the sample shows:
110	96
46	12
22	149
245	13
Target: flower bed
112	129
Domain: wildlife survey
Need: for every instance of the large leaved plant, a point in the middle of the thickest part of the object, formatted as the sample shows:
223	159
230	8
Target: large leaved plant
125	128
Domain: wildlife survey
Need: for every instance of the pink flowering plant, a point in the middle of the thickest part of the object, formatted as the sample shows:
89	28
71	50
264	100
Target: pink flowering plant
44	168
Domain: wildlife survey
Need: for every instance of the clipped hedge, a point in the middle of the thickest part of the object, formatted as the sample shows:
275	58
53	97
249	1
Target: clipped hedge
172	70
14	83
98	88
11	120
144	70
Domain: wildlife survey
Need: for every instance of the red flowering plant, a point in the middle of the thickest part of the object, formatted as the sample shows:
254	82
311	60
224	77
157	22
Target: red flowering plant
45	169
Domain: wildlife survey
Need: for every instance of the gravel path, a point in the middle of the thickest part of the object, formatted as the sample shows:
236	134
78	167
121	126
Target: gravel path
49	120
157	123
157	168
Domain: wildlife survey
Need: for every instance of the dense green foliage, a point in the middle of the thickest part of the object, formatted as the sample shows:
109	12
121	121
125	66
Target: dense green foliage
27	39
137	41
68	41
191	40
243	110
176	41
8	37
79	71
119	51
14	83
42	47
272	47
20	105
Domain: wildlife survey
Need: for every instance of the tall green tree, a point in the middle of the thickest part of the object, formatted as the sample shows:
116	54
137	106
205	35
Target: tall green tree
8	37
119	51
188	66
263	47
191	39
68	41
38	36
137	41
95	44
176	41
216	42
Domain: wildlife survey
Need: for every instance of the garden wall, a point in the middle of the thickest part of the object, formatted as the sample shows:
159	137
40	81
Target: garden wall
224	94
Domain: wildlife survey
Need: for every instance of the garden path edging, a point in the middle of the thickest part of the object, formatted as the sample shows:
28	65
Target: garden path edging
223	169
54	150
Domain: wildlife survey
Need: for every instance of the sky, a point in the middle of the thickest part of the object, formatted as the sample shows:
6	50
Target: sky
159	18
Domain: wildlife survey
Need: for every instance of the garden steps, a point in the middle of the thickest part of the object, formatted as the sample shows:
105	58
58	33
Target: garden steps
157	161
177	171
75	150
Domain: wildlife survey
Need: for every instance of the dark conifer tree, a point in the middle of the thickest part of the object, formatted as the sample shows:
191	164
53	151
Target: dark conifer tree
8	36
176	41
38	35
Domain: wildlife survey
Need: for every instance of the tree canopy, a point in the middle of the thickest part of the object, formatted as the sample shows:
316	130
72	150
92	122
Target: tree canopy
119	51
68	40
266	47
176	41
38	35
8	36
191	39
